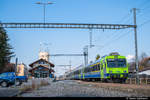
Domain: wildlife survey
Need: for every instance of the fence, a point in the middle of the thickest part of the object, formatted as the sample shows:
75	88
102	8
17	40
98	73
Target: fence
142	81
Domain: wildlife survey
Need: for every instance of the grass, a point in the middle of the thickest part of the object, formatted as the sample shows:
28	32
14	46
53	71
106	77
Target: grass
34	86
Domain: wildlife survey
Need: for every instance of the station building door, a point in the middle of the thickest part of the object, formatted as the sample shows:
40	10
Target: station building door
41	73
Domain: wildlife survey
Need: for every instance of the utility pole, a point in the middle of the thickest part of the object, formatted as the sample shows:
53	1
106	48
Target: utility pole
44	6
136	49
90	31
16	70
85	49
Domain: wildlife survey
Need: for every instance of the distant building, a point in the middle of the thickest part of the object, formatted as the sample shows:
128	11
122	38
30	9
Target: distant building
42	68
10	67
145	71
132	68
22	70
143	64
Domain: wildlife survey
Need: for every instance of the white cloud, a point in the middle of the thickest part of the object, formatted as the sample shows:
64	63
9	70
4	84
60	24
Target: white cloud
130	57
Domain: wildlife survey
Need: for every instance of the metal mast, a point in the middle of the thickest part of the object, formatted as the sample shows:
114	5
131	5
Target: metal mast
136	49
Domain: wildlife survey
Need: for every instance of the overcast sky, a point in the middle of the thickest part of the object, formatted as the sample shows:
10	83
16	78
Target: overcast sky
26	42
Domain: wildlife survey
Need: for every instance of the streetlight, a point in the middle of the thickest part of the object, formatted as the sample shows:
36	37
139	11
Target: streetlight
44	5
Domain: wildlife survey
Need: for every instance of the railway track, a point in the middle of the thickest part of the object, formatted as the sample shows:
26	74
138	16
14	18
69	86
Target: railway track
131	88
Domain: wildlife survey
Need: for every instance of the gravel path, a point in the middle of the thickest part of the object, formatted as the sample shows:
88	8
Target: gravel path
71	88
8	92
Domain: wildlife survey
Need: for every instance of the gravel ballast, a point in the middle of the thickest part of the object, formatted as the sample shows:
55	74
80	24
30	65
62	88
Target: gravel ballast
72	88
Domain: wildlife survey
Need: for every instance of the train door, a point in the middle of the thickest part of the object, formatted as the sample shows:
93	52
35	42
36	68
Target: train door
104	70
101	70
98	69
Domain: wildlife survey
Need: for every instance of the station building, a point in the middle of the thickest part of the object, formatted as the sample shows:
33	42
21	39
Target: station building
42	68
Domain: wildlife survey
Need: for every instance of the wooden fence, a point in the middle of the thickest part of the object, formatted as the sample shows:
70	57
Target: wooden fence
142	81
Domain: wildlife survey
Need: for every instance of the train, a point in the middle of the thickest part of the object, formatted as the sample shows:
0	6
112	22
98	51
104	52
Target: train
109	68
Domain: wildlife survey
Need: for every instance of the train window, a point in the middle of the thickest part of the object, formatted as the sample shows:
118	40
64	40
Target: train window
89	69
95	67
86	69
98	66
92	68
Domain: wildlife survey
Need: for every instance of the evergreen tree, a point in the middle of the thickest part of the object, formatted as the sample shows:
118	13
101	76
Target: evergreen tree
5	49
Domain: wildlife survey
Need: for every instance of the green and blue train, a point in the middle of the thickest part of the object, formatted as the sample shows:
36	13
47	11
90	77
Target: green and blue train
111	68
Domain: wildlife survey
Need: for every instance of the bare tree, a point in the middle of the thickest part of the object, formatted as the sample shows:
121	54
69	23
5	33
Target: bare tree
143	55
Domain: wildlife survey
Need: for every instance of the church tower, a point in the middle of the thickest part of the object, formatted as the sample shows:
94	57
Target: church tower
44	55
44	52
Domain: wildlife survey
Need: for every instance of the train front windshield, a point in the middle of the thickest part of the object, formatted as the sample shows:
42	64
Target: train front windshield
116	63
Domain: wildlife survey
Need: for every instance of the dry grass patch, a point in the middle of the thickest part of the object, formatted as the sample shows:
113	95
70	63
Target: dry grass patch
34	86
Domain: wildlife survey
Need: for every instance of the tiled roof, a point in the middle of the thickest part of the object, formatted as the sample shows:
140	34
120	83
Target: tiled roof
31	65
